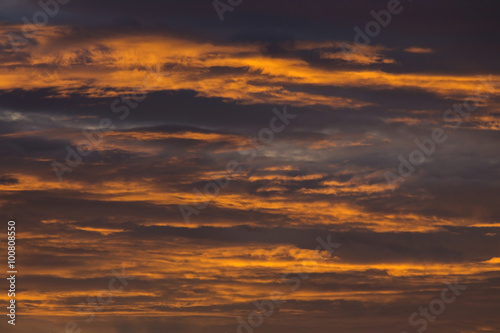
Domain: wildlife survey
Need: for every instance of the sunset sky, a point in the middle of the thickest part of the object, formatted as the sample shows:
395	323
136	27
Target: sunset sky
200	160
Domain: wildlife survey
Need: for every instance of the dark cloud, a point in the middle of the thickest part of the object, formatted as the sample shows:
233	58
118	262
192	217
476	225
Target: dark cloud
8	180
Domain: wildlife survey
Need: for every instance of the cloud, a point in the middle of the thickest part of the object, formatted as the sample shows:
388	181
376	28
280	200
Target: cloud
419	50
209	90
8	180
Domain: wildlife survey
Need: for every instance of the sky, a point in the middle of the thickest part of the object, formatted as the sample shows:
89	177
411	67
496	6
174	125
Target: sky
251	166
